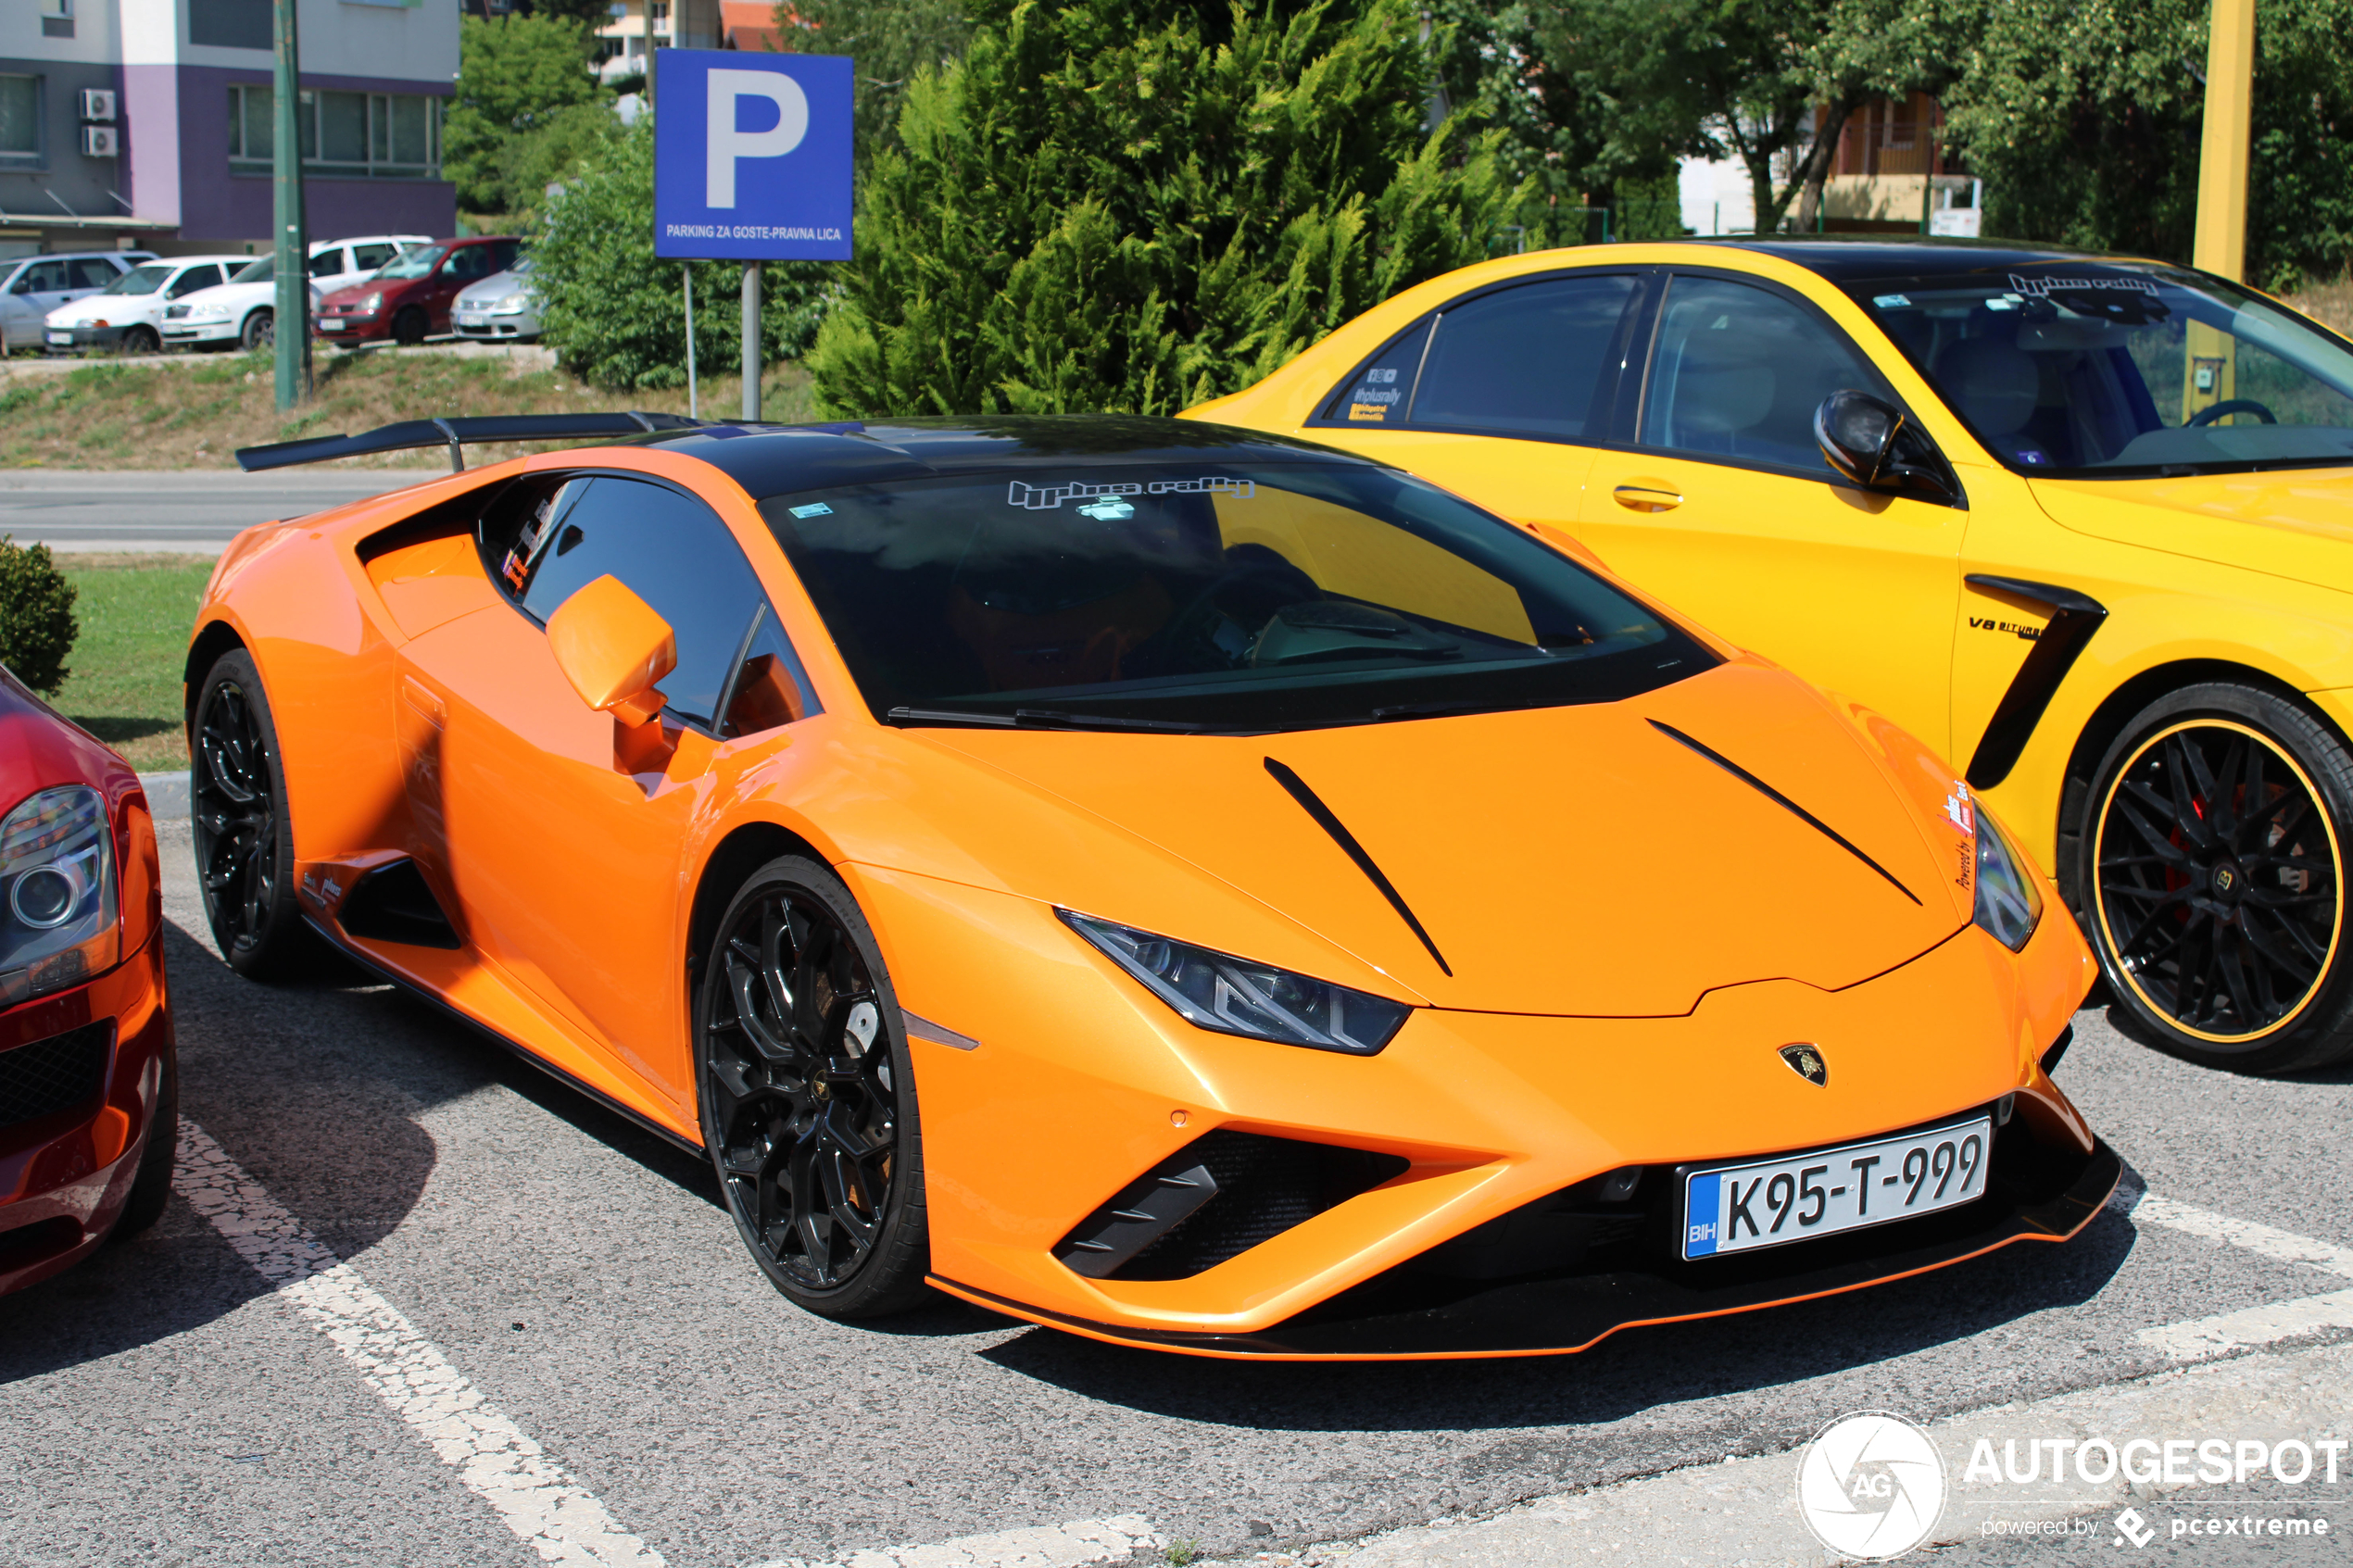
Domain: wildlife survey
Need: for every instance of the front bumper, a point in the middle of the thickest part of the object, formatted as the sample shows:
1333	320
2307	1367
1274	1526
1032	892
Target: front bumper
1083	1082
352	329
81	340
183	334
66	1170
483	327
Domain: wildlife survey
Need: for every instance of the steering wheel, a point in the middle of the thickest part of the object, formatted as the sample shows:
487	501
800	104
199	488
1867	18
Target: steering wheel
2230	405
1254	572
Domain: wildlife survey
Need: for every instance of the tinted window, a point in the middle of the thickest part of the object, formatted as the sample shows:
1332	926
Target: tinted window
1529	360
48	277
367	258
1212	595
1737	371
195	278
1376	395
93	272
327	263
670	550
473	261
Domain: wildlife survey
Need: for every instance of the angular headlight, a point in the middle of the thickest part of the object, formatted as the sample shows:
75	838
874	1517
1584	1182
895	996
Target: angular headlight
1236	997
510	305
58	924
2009	903
208	313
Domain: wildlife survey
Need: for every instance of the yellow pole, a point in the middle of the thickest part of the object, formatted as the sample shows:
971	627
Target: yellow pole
2221	243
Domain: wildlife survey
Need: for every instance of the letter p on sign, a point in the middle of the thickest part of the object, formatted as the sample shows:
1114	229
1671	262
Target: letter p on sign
726	91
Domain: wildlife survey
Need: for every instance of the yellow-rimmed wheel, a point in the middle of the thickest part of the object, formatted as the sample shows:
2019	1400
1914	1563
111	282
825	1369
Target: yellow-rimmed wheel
2214	879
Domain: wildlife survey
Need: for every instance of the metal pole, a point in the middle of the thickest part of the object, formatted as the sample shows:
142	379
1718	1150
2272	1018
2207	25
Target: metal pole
290	327
751	340
2221	243
694	409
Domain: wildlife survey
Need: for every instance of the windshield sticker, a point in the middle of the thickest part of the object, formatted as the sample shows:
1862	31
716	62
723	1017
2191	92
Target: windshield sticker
1892	301
1959	810
1375	412
2042	288
1045	497
814	508
1111	508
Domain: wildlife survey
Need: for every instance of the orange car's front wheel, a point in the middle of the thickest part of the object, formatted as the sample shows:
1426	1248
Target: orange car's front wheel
808	1096
2214	864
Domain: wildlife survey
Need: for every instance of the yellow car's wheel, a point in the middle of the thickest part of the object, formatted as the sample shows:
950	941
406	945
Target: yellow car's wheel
2213	879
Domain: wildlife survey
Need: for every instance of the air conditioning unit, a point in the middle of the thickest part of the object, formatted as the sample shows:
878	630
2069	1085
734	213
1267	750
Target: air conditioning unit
97	103
101	141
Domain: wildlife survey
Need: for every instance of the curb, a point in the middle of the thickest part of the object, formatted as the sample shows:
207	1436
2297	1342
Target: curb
167	795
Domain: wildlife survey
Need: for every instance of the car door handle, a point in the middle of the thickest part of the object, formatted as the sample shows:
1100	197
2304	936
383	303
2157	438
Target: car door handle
1647	498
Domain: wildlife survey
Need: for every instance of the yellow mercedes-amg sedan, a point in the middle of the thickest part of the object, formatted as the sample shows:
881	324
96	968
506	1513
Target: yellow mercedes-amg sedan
2084	522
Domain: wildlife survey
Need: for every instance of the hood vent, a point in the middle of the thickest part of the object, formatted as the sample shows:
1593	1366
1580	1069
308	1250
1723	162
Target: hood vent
1314	808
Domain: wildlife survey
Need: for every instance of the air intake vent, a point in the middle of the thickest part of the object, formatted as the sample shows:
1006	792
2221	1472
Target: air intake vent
54	1074
393	904
1217	1198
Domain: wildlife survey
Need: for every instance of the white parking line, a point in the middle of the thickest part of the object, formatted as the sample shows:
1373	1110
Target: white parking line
1051	1546
2201	1340
498	1462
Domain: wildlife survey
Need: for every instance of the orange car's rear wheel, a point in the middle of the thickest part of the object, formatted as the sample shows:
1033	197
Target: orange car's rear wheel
2215	867
808	1097
243	841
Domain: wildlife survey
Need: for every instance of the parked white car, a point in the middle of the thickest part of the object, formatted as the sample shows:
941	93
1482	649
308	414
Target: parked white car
243	311
32	286
503	308
126	317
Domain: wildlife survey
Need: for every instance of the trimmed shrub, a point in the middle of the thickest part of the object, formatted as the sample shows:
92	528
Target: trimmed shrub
37	627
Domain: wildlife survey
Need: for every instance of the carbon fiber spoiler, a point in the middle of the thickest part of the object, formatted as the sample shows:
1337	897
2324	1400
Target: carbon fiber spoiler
454	434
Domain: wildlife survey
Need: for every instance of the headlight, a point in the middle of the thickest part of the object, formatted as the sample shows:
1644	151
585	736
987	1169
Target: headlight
1236	997
370	305
510	305
207	312
57	923
2009	904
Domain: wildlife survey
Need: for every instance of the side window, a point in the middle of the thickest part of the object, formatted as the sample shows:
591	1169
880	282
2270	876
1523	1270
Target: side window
1376	395
94	272
471	262
192	279
367	258
45	277
1737	371
1531	361
770	687
327	263
672	552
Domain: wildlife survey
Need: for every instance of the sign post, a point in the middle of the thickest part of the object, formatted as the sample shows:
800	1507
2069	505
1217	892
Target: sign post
290	323
752	164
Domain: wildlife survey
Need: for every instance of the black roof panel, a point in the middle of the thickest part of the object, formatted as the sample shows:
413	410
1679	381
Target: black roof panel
1846	258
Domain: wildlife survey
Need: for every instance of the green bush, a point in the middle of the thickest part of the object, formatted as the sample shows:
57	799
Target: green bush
37	627
1135	205
615	312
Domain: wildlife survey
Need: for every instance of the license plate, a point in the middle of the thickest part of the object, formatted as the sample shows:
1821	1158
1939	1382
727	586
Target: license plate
61	337
333	326
470	320
1771	1203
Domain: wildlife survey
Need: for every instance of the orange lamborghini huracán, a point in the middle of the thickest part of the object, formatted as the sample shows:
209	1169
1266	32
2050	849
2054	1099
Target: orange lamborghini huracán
1189	887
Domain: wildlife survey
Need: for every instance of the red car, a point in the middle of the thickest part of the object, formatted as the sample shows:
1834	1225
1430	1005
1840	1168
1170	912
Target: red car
407	298
89	1089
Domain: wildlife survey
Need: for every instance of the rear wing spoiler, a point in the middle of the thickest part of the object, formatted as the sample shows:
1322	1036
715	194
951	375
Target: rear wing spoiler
455	434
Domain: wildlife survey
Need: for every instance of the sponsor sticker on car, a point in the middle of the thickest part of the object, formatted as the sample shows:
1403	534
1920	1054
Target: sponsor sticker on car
1771	1202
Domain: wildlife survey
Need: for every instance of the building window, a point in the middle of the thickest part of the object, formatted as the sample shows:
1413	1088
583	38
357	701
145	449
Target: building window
20	119
361	135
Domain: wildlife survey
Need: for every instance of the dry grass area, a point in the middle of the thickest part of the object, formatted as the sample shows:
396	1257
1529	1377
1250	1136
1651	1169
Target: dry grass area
2329	304
114	415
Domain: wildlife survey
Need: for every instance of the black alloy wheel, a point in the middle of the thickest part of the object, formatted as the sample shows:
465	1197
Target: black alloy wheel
409	327
243	842
808	1098
2214	864
260	331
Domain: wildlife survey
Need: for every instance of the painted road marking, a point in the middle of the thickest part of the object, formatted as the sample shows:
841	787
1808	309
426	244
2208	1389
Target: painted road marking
559	1517
1051	1546
2205	1339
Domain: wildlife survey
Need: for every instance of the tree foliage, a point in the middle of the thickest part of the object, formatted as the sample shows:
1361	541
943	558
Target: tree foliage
892	41
37	627
615	312
1135	205
524	90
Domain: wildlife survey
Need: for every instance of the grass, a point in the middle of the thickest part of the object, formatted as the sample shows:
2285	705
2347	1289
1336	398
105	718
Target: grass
128	416
124	680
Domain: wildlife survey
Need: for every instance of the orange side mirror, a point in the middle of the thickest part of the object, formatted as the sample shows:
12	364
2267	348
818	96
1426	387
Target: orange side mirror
612	647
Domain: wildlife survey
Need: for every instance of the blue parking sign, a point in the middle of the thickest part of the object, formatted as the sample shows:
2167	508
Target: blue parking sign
751	155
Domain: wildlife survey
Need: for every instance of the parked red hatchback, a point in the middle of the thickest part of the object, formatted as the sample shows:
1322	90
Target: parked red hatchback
407	298
88	1089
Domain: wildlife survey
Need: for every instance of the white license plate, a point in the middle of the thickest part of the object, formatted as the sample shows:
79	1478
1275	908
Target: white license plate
333	326
1771	1202
61	337
470	320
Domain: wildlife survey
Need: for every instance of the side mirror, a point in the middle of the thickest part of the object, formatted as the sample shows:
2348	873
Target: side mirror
1871	443
612	647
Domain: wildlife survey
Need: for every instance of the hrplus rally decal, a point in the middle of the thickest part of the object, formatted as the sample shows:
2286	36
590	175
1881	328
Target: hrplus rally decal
1045	497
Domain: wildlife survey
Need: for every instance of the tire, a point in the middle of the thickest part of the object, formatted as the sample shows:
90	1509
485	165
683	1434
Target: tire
2221	931
260	331
244	837
141	340
809	1108
409	327
151	1188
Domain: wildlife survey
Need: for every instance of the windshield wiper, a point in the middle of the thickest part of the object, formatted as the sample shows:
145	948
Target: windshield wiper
1039	719
949	716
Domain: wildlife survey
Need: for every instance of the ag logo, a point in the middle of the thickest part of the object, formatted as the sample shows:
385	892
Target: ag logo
1870	1486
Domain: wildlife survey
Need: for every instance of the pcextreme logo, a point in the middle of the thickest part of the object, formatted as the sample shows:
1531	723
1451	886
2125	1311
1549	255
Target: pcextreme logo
1870	1486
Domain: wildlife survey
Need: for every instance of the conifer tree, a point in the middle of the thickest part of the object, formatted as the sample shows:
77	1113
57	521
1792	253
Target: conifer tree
1134	204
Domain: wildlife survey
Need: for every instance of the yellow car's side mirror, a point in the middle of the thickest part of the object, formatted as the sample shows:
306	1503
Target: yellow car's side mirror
1872	444
612	647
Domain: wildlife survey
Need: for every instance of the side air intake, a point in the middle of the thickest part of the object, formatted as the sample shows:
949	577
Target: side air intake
393	904
1215	1198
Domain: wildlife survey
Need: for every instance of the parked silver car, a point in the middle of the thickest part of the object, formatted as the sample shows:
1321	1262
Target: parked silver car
31	287
502	307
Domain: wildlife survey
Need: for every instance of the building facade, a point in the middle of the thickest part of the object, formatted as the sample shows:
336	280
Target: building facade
148	123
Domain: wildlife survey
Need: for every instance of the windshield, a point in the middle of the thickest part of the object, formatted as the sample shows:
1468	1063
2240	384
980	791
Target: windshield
262	271
140	280
2097	370
412	263
1216	596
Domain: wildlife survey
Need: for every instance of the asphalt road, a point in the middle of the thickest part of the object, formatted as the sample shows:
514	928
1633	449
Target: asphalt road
162	1405
196	511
